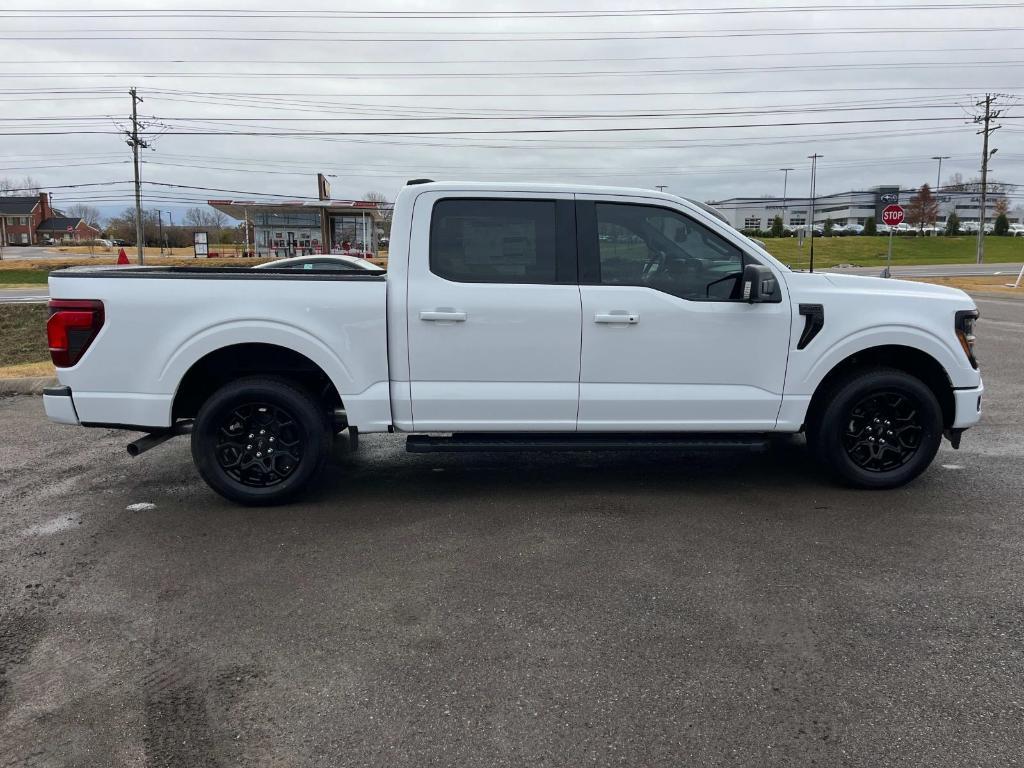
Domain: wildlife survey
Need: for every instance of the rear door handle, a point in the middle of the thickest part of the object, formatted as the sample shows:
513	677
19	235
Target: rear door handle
443	315
617	316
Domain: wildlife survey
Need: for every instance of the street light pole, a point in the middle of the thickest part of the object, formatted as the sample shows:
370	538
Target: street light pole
814	173
785	182
938	176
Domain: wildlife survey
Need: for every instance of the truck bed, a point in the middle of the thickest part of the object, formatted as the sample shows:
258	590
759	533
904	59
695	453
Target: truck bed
161	321
216	273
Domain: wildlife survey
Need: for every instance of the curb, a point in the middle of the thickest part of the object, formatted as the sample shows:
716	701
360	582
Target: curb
26	386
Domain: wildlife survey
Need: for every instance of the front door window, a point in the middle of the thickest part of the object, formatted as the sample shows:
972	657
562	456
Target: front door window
658	248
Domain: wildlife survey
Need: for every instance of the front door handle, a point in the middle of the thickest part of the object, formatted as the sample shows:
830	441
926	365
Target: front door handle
443	315
618	316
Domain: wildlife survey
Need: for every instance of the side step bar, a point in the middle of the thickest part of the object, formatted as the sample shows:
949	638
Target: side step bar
583	441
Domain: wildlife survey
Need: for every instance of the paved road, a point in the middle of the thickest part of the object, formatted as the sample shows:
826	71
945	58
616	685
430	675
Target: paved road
938	270
487	610
29	252
39	294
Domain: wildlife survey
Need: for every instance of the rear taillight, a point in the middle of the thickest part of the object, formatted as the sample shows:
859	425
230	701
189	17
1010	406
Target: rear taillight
72	326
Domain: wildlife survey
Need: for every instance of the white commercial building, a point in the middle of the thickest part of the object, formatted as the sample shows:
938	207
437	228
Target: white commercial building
853	207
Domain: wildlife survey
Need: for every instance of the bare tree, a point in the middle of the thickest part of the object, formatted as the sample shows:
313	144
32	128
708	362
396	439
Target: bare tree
25	187
88	213
1000	206
923	207
205	218
384	207
955	183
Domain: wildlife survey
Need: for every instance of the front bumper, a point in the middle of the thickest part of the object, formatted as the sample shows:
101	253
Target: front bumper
59	405
968	406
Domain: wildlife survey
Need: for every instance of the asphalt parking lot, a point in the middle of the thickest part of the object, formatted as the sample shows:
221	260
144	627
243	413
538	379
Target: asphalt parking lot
537	610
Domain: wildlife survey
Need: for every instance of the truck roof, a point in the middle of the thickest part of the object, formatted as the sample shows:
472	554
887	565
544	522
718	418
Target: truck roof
545	187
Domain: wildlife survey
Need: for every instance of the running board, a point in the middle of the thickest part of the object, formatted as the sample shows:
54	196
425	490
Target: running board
583	441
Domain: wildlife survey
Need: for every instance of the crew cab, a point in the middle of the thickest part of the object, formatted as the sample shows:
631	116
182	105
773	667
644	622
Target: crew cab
517	317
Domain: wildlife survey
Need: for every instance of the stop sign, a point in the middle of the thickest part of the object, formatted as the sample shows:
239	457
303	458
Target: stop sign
892	215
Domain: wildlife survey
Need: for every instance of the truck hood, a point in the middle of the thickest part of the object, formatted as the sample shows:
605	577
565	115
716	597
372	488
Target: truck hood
880	286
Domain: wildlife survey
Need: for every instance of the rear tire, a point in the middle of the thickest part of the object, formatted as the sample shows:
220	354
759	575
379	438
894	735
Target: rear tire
878	429
259	441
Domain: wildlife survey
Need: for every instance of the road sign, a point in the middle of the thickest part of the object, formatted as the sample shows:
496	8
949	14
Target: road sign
200	244
890	198
893	215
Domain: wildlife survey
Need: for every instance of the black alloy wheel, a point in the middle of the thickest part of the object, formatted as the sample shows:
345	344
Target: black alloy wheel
877	428
259	444
260	440
883	431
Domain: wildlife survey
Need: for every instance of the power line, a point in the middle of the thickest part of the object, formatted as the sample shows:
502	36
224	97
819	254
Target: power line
503	117
234	13
260	35
545	60
496	131
277	75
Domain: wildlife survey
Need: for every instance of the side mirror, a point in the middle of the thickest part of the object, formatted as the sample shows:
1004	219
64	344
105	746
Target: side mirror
758	284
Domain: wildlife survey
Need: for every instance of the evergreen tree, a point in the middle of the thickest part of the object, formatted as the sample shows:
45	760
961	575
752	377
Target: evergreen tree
1002	225
953	224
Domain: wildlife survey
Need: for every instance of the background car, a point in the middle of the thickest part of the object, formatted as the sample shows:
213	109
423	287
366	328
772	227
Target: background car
849	229
336	263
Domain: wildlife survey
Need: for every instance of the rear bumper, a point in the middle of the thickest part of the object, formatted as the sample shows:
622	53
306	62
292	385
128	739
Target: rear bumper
59	405
968	406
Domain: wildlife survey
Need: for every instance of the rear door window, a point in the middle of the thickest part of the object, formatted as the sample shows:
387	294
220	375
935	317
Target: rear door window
494	241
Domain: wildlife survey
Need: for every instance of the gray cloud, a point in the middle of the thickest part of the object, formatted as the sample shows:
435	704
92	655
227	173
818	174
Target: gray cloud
797	93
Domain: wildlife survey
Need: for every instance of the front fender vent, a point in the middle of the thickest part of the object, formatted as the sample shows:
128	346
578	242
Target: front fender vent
814	321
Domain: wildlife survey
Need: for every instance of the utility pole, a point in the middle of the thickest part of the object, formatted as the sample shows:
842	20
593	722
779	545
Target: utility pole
985	131
245	213
938	176
160	226
785	182
135	142
814	173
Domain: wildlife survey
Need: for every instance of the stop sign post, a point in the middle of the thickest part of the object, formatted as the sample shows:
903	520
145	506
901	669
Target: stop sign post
892	217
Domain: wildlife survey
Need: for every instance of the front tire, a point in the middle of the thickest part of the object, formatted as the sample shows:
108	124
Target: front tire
259	441
878	429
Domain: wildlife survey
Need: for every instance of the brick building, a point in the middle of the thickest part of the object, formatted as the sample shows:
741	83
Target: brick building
31	220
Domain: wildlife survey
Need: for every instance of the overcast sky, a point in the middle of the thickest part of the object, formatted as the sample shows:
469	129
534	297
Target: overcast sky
705	97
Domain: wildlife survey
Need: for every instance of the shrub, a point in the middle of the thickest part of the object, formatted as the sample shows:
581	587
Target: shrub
1002	225
777	228
827	231
870	228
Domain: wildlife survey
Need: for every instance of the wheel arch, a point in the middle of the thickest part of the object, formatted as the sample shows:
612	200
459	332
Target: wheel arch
217	367
911	360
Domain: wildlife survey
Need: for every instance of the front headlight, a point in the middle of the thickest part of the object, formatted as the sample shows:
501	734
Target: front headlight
965	320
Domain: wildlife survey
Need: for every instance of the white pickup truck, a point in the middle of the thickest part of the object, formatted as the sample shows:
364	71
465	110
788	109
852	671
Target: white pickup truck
518	317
